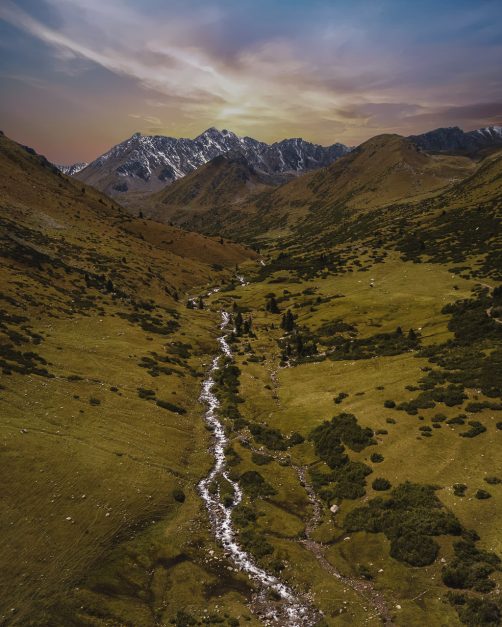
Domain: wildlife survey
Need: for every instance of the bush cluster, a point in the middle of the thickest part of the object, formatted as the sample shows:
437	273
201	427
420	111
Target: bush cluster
471	568
409	517
255	485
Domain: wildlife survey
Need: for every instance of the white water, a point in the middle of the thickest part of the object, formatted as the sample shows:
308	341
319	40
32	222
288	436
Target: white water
289	611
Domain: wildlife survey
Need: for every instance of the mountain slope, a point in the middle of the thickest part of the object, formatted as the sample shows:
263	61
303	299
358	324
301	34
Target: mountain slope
149	163
99	362
458	225
215	188
453	140
381	171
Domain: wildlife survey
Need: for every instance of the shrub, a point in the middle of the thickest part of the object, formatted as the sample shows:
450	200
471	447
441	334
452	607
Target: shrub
171	407
470	568
340	398
459	489
408	517
476	429
144	393
482	495
376	458
183	619
233	457
349	490
179	495
380	484
475	611
414	549
365	572
438	418
255	543
243	515
271	438
255	485
94	401
344	428
451	395
295	438
493	480
389	404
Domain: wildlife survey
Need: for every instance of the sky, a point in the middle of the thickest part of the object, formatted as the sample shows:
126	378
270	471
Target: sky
79	76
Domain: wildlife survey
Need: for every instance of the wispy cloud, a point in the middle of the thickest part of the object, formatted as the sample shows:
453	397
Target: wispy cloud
337	75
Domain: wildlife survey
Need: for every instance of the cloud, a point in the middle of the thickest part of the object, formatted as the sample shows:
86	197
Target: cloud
328	75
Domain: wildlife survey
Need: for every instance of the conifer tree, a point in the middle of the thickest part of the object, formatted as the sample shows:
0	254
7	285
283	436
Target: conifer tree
238	323
248	326
288	321
272	306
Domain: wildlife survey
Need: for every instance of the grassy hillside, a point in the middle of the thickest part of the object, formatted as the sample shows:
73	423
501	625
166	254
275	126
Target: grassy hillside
410	352
381	171
218	185
100	373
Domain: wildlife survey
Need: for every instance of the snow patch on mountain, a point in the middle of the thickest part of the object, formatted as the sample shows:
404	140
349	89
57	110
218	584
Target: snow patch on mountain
72	169
149	162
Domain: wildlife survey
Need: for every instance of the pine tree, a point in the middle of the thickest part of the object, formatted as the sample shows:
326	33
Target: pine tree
288	322
200	303
272	306
248	326
238	323
299	345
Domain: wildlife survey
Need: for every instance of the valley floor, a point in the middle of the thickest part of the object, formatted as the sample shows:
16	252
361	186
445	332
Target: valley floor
103	523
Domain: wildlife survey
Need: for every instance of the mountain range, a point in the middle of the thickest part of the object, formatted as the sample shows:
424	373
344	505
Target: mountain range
148	163
453	140
144	164
227	196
